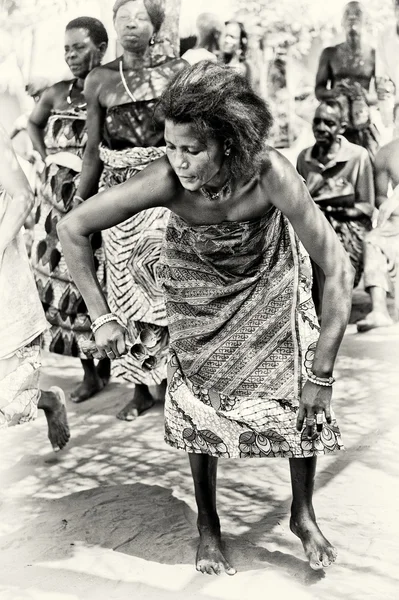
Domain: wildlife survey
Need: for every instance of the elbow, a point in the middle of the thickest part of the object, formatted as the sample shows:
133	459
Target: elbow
64	228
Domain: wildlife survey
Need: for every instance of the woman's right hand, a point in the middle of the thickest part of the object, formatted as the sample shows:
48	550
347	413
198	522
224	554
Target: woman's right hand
110	340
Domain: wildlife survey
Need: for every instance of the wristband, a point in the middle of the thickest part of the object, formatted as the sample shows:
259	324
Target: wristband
107	318
323	381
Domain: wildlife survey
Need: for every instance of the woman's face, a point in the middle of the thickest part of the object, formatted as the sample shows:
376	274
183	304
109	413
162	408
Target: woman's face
195	163
81	53
231	41
133	26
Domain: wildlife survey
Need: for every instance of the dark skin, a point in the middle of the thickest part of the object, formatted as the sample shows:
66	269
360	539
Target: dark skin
104	89
327	127
175	182
81	55
337	68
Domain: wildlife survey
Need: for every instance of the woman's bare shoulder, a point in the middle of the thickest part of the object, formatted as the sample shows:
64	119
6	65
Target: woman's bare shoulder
275	166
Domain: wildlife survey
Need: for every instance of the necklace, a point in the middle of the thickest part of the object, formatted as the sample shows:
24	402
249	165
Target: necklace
226	189
69	99
129	93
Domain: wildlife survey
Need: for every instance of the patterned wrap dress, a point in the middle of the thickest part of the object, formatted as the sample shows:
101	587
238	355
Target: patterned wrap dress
62	302
243	329
132	139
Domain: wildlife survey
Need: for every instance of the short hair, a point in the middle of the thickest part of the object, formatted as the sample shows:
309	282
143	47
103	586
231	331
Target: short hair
243	37
220	104
155	9
97	32
334	104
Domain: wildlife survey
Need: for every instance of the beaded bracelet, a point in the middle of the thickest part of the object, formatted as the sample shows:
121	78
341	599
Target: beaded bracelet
107	318
323	381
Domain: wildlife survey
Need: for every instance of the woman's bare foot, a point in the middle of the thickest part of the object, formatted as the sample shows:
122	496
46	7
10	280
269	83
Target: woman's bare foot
210	558
142	401
86	389
373	320
52	403
319	551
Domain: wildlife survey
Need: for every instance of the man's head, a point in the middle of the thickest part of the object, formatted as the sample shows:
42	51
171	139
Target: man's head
328	123
353	18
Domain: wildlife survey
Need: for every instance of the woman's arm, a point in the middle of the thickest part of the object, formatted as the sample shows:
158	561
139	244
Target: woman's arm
38	120
154	186
14	182
290	195
92	164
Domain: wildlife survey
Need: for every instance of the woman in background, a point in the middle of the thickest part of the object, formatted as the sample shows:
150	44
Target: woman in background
57	127
123	138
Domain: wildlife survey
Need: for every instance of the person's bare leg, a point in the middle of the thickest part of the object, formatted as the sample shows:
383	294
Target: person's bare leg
318	549
210	558
92	382
104	370
141	402
379	315
52	402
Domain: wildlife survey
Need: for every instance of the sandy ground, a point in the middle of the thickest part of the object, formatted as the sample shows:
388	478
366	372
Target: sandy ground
112	517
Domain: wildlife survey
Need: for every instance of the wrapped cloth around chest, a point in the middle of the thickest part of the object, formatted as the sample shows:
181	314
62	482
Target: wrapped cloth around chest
231	294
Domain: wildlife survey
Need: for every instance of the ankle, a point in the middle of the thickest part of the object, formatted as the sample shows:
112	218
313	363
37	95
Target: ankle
209	526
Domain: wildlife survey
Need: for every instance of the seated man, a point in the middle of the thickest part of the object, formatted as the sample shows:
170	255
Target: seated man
381	246
339	177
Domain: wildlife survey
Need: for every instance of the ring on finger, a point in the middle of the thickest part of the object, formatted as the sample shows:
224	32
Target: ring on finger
319	419
310	421
109	353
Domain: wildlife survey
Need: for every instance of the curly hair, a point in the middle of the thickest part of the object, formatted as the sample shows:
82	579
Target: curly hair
97	32
219	104
155	9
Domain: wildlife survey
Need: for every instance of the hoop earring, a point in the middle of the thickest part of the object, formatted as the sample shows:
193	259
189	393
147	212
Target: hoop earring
152	40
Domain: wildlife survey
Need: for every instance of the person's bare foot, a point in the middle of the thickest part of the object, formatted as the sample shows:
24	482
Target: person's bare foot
86	389
210	558
318	550
373	320
142	401
52	402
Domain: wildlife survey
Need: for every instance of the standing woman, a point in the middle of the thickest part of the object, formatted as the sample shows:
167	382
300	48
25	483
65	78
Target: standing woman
234	49
250	372
123	138
57	127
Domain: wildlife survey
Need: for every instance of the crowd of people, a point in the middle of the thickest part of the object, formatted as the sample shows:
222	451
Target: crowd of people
175	251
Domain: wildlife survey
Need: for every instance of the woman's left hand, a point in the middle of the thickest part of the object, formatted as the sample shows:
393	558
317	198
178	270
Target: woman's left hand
315	400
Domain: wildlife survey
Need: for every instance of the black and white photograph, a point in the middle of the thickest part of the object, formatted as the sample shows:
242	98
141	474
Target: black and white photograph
199	299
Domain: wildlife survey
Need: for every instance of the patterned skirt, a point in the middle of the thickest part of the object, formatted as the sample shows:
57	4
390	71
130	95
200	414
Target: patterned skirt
241	343
62	302
132	252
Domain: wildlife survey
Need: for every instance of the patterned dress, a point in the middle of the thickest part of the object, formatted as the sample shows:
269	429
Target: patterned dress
63	304
242	329
131	140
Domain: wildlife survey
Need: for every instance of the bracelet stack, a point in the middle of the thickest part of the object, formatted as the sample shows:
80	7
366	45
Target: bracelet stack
107	318
323	381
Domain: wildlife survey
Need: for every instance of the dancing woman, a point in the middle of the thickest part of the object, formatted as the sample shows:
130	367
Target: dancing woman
250	373
123	139
57	127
